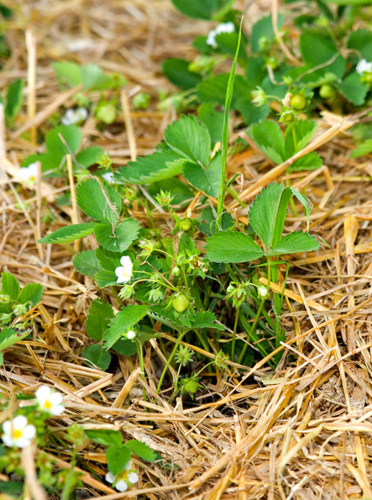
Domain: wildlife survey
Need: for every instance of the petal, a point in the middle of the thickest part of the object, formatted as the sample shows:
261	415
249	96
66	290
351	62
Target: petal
110	478
20	422
119	271
124	260
24	174
32	169
121	486
7	440
56	398
133	477
7	427
57	409
43	393
29	432
22	442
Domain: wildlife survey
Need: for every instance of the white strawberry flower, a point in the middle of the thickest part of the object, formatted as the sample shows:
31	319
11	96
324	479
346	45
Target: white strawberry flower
124	272
18	432
363	66
123	480
29	173
221	28
49	400
73	116
109	177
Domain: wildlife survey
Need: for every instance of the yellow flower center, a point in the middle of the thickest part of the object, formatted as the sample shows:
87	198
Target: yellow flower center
32	178
123	476
47	405
17	434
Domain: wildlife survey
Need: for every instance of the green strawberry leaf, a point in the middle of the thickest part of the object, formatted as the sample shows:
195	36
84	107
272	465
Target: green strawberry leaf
119	238
189	138
227	246
98	356
9	286
141	450
86	263
31	293
152	168
106	437
69	233
295	243
122	322
208	179
100	202
99	316
177	71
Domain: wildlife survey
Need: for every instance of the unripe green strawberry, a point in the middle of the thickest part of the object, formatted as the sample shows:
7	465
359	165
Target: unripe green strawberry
185	224
181	303
368	77
327	91
298	102
191	386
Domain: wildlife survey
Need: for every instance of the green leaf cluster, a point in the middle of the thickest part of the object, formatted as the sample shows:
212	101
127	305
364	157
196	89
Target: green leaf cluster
266	216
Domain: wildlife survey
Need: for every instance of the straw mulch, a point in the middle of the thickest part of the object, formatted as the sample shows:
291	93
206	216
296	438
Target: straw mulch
302	432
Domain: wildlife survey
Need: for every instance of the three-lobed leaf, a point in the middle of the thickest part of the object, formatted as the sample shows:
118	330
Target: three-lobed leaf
207	179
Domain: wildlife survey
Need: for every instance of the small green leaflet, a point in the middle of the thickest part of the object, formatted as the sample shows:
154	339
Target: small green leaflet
177	71
86	263
69	233
90	75
213	120
9	286
14	101
101	203
9	337
206	319
207	179
353	89
296	242
200	9
125	347
361	41
269	138
96	355
99	316
119	238
263	212
152	168
106	437
141	450
31	293
117	459
227	246
264	28
363	149
189	138
122	322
